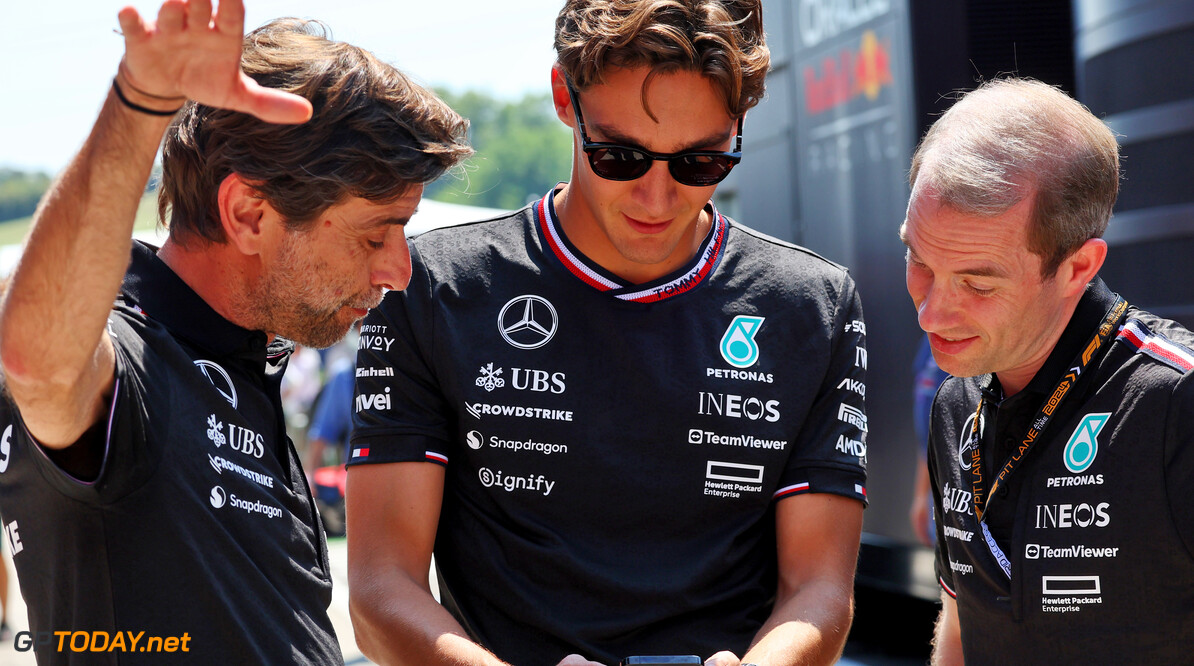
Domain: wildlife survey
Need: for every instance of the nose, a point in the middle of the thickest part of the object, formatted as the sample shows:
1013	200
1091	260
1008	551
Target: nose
390	268
936	308
655	191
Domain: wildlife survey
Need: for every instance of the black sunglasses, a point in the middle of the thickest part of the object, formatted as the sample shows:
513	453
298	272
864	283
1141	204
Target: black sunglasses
696	168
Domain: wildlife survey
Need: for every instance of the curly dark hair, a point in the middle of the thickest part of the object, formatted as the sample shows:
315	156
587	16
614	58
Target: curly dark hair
720	39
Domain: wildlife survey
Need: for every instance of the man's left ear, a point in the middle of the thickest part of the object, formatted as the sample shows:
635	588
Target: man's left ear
245	215
1080	268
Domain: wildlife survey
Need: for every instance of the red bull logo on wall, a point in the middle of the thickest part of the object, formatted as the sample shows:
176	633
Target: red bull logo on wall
849	74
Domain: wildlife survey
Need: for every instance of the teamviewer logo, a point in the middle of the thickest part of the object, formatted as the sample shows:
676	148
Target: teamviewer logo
1032	551
696	436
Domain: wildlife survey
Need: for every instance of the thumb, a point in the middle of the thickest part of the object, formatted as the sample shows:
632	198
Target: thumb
272	106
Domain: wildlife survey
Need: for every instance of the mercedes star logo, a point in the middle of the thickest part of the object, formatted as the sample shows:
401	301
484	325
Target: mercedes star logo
527	321
219	378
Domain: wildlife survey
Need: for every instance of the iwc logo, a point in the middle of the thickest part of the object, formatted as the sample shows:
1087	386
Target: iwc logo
1083	446
738	345
528	321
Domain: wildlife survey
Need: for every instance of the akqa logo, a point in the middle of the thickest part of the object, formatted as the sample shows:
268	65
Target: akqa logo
489	379
1083	446
968	441
5	448
738	346
853	385
852	415
736	406
474	439
374	401
218	497
1072	515
219	378
528	321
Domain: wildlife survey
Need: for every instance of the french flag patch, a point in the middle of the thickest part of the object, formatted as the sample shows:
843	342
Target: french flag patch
360	453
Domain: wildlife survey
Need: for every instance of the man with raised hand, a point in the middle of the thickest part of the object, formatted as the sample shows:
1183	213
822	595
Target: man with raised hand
625	424
148	488
1061	454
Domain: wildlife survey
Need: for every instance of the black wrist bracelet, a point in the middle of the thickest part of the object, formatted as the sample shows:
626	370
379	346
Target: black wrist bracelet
137	107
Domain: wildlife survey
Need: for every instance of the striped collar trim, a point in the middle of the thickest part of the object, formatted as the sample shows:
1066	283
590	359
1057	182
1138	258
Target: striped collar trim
711	252
1135	333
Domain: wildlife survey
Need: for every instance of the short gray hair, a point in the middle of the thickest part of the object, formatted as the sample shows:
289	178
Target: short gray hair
1010	138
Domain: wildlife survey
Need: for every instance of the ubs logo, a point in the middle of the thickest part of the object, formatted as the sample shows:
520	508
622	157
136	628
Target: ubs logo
528	321
219	378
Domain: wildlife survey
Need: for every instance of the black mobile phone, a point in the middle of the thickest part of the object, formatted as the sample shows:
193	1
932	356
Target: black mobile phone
661	660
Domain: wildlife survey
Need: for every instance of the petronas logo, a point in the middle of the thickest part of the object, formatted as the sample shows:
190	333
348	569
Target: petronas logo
738	346
1083	446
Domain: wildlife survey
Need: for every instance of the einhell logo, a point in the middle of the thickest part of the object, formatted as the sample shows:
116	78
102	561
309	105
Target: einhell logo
848	75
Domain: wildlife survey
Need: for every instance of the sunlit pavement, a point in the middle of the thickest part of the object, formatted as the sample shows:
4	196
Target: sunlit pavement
338	553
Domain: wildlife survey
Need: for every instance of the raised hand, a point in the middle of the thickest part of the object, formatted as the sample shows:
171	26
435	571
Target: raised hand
192	52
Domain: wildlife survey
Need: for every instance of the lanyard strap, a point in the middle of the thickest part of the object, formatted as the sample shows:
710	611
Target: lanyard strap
1044	414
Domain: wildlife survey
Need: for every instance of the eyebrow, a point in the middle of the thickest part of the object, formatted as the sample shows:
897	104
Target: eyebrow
388	221
614	136
981	270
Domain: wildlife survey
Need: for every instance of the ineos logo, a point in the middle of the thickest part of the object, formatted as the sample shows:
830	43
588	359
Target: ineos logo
527	321
219	379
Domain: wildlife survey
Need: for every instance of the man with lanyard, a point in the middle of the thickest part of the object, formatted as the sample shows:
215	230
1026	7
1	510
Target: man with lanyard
1062	456
151	498
637	425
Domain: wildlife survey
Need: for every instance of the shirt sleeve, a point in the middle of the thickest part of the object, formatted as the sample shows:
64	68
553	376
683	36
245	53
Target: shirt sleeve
399	412
829	455
1179	459
126	460
941	564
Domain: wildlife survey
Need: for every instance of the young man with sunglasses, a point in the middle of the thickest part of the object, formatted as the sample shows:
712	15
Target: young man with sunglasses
626	424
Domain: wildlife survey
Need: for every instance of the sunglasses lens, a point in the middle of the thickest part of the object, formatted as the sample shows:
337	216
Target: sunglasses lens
619	163
700	170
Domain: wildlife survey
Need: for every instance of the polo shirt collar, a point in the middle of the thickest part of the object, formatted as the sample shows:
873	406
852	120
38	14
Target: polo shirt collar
151	287
1089	313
